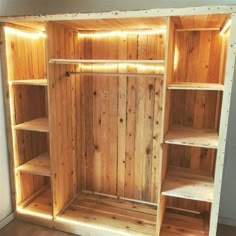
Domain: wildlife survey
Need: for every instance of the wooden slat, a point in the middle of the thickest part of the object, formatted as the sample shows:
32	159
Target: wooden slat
37	82
39	124
188	184
192	137
39	165
196	86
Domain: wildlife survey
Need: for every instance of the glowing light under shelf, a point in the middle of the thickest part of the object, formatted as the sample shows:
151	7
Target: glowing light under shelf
122	33
31	35
33	213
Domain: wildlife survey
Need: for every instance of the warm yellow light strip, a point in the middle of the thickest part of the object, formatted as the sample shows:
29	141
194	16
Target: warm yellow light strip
91	226
122	33
33	213
226	27
121	66
24	34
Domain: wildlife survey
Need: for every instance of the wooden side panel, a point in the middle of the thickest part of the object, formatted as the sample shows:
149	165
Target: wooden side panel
61	117
117	118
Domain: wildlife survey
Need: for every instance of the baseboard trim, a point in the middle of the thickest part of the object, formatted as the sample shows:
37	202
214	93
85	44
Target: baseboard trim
227	221
6	220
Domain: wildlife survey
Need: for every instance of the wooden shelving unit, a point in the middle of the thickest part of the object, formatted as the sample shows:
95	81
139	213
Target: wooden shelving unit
39	124
36	82
196	86
188	184
119	134
39	165
192	137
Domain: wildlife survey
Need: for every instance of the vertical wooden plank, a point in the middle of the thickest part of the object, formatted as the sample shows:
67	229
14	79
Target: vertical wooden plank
122	97
130	125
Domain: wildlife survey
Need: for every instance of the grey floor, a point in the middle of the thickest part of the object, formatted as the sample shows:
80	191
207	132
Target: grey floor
20	228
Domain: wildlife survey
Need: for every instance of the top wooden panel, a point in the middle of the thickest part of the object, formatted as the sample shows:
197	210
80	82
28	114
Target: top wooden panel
215	21
117	24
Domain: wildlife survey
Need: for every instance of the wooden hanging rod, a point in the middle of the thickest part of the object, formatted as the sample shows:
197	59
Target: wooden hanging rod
78	61
68	73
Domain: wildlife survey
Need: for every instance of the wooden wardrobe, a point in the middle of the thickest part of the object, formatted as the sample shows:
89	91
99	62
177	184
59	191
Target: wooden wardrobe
117	122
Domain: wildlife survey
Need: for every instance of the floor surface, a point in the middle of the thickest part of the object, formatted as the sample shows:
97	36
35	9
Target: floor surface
20	228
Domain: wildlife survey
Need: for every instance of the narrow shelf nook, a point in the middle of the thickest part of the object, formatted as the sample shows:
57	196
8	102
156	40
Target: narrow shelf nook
115	214
36	82
39	124
196	86
192	137
177	223
188	184
39	165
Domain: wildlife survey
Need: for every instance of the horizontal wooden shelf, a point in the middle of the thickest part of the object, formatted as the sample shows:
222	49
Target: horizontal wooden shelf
39	124
36	82
175	224
188	184
196	86
39	165
39	204
93	61
112	213
192	137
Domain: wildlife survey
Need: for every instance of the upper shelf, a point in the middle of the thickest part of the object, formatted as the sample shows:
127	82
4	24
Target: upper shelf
39	165
78	61
39	124
37	82
192	137
196	86
189	184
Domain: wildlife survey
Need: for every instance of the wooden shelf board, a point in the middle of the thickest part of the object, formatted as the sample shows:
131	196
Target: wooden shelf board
40	205
196	86
192	137
182	225
39	165
112	213
78	61
36	82
39	124
188	184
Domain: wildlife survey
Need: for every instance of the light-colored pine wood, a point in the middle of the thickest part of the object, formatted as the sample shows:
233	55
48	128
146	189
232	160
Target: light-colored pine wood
188	184
39	165
37	82
196	86
39	124
192	137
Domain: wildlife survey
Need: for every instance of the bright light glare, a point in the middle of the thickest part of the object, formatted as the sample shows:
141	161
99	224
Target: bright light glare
226	27
23	34
33	213
121	33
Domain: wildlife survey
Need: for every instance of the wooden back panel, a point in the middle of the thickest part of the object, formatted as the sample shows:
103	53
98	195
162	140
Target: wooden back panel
119	119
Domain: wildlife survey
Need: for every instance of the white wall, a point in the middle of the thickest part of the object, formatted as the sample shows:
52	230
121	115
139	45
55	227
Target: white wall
5	196
33	7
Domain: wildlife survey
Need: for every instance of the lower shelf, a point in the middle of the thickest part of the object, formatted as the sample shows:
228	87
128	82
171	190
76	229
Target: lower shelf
38	205
175	224
112	213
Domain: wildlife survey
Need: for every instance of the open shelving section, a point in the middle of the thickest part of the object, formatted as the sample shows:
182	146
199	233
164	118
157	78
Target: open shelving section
118	124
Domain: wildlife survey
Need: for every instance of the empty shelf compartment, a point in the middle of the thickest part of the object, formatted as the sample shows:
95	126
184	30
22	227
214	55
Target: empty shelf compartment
114	214
189	184
39	165
39	124
192	137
